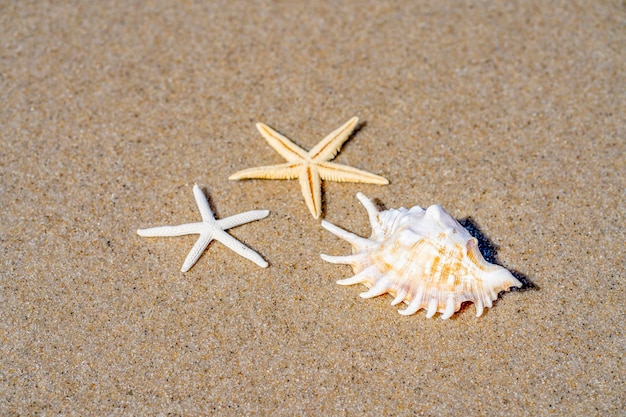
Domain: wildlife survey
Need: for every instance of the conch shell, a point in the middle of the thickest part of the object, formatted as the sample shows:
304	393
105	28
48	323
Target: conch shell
423	258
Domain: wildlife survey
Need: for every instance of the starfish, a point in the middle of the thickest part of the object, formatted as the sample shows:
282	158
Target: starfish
209	229
310	167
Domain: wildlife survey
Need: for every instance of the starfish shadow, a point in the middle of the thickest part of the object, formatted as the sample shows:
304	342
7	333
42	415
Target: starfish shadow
489	250
209	199
357	129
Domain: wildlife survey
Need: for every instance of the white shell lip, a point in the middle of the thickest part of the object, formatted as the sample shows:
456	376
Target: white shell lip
422	257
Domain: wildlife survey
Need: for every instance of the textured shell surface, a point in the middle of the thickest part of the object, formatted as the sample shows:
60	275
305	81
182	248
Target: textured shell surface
422	257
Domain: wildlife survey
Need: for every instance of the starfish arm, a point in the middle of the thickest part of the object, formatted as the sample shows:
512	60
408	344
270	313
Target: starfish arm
242	218
236	246
342	173
311	185
181	230
197	250
286	171
203	204
286	148
330	145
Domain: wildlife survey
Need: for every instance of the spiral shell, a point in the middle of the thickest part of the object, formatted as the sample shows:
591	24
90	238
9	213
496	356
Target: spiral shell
422	257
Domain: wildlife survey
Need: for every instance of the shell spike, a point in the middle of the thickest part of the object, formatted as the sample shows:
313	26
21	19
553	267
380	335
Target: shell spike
450	308
380	288
412	308
434	212
399	297
432	308
372	213
346	260
359	278
479	307
357	242
504	279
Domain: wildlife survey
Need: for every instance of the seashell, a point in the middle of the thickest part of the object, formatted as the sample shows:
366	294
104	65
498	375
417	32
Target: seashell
423	258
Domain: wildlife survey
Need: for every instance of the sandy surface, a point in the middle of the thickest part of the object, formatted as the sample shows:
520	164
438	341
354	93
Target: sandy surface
511	114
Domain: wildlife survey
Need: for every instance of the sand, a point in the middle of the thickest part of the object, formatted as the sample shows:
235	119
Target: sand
509	114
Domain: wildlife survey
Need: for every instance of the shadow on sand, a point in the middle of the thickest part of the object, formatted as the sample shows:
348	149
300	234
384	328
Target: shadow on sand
490	253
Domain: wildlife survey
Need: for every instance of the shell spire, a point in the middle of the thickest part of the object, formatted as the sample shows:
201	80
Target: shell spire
422	257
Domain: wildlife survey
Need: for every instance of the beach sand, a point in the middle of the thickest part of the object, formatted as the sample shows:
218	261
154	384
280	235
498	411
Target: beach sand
508	114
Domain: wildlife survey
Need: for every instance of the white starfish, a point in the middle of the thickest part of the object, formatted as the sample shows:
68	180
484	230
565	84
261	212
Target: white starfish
209	229
310	167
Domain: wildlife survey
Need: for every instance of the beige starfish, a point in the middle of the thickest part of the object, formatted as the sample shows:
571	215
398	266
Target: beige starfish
310	167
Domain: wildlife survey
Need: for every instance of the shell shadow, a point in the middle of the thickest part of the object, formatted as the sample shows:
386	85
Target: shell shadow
489	251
